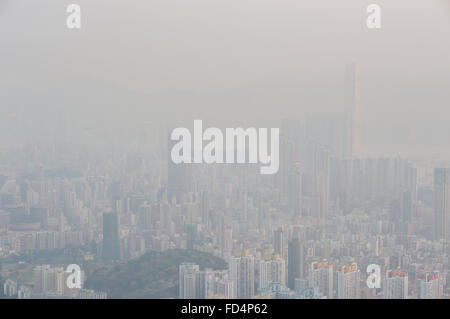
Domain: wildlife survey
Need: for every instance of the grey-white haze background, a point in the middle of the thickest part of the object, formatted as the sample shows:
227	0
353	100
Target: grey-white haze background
230	63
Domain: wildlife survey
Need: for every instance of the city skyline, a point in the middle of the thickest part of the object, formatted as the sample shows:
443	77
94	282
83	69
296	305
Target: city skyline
236	150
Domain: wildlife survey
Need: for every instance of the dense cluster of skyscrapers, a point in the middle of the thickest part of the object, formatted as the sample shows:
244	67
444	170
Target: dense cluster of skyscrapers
309	231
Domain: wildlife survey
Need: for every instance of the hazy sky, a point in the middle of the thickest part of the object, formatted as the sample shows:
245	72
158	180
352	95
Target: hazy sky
230	62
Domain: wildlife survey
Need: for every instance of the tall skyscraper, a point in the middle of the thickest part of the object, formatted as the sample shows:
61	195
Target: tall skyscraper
279	242
188	280
204	209
191	232
144	217
110	250
292	140
271	270
295	261
242	273
296	132
442	203
321	277
178	177
224	288
224	235
395	284
287	157
295	192
51	281
318	179
348	282
429	285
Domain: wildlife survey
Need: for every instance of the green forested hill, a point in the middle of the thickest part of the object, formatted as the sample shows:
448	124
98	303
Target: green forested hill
154	275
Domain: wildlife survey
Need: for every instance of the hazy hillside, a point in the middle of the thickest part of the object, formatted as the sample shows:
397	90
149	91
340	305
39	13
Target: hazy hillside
154	275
